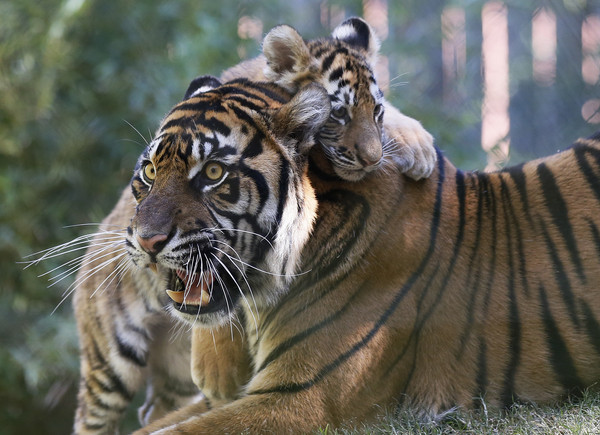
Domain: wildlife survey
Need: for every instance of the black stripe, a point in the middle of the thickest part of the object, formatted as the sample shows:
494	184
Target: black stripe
560	215
284	181
199	105
435	223
244	102
490	203
336	74
242	115
595	235
521	260
93	426
331	57
232	196
261	88
250	91
518	177
214	124
129	353
588	172
591	325
560	358
514	325
262	187
254	147
96	398
560	275
474	271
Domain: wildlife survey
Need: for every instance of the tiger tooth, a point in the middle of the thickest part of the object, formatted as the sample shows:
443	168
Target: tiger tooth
176	296
153	267
204	298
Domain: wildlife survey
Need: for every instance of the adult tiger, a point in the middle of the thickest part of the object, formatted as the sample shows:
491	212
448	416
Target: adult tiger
125	337
435	293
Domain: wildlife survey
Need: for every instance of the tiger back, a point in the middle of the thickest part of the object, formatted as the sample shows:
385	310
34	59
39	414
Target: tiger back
457	290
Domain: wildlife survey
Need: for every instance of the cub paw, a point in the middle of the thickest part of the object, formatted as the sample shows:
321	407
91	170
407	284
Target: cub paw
411	146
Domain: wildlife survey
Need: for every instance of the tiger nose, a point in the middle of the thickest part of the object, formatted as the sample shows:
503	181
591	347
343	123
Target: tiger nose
368	159
369	153
154	244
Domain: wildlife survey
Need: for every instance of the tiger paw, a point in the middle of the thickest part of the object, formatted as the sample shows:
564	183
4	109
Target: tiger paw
411	146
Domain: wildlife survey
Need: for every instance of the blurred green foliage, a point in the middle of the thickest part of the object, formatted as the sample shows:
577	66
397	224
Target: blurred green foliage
83	83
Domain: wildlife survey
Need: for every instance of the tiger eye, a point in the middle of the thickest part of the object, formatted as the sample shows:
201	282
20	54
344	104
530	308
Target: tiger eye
149	172
339	112
213	171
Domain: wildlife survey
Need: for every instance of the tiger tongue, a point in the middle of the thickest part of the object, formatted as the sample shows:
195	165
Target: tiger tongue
196	289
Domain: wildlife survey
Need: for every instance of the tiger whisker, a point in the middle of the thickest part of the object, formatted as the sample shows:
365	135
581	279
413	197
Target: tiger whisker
264	271
245	232
87	256
89	273
138	132
240	288
75	264
222	283
69	291
81	241
243	273
120	268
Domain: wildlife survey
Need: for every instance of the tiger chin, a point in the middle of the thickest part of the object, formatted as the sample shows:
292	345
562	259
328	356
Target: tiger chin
428	294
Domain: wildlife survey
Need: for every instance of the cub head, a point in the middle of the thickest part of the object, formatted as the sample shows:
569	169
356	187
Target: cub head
342	64
224	206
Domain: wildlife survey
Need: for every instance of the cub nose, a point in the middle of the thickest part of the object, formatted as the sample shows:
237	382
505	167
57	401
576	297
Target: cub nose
154	244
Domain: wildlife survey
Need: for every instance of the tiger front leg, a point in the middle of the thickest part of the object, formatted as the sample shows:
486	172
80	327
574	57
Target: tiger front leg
107	385
411	145
220	363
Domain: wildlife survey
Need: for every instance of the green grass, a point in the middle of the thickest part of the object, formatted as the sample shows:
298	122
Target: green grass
576	416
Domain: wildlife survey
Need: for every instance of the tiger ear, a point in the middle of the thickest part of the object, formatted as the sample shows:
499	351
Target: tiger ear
201	84
357	33
299	120
287	56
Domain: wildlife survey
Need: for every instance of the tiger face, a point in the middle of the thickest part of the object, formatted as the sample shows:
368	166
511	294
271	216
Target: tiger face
209	219
353	134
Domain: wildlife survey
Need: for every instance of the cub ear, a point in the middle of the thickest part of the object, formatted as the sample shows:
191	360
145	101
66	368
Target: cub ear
201	84
357	33
287	56
303	116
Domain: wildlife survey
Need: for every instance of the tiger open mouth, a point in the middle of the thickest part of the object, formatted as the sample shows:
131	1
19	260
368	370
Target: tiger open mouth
198	293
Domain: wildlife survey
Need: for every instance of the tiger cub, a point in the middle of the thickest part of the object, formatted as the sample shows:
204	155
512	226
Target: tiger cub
127	340
362	124
457	290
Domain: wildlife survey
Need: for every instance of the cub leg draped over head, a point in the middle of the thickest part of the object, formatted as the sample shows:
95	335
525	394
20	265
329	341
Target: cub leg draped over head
360	296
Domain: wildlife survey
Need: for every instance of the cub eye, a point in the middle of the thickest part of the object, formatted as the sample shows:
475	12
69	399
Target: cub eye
339	112
149	173
213	171
378	112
